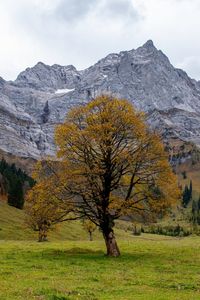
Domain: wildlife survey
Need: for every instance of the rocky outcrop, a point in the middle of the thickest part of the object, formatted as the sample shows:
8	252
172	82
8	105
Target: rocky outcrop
39	98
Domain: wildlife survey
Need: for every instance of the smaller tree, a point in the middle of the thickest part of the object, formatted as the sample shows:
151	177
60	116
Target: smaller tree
136	229
42	209
90	227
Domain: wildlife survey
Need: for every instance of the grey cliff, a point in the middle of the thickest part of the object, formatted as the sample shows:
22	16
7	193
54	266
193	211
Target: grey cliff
39	98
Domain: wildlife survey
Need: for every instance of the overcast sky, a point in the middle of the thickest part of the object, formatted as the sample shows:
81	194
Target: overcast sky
80	32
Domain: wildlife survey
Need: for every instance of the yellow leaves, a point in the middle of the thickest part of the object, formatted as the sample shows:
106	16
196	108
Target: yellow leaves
108	161
43	203
88	225
100	121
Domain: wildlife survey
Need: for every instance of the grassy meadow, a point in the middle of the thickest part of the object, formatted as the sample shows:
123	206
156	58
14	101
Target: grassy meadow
71	267
150	267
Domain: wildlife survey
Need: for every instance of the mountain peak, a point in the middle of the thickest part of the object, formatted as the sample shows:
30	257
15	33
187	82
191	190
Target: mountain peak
149	43
40	64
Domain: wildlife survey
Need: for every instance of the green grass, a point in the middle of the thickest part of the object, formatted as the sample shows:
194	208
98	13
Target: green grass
150	267
69	267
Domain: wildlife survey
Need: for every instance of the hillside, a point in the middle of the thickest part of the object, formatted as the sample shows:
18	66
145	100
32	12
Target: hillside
184	158
13	227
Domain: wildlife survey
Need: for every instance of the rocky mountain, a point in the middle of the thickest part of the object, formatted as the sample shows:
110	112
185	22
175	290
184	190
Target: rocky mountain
39	98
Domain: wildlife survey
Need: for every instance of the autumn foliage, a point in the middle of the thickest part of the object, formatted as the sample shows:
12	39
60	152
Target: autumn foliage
109	165
90	227
43	207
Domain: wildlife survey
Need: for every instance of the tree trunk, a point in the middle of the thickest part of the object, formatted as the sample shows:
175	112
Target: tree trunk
90	235
111	244
42	234
45	236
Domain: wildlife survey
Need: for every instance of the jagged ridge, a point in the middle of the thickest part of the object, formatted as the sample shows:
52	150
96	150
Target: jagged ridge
144	76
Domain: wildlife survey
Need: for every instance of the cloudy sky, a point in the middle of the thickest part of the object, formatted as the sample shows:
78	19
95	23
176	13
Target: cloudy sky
80	32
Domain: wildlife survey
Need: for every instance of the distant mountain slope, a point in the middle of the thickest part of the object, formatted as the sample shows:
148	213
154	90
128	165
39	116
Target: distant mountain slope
39	98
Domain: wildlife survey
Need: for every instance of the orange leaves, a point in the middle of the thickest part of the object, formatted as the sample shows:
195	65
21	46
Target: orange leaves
108	147
109	162
88	225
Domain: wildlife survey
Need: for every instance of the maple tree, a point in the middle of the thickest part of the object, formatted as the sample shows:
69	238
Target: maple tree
110	164
90	227
43	208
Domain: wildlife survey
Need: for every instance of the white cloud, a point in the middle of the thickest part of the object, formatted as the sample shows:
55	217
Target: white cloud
80	32
192	65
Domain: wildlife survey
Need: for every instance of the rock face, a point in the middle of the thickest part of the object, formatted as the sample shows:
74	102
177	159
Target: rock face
39	98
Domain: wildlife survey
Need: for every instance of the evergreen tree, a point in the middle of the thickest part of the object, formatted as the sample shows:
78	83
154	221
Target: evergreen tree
186	196
198	204
16	194
198	211
46	112
194	213
195	218
190	189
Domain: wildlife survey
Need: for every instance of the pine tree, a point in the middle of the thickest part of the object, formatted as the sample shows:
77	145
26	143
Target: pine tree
198	211
46	112
16	194
186	196
194	212
190	189
198	204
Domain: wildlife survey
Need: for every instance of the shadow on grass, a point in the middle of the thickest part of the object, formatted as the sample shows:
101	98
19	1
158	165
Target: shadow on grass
89	255
81	253
75	251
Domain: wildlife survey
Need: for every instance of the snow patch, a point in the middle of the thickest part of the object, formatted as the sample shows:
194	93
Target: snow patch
168	122
63	91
